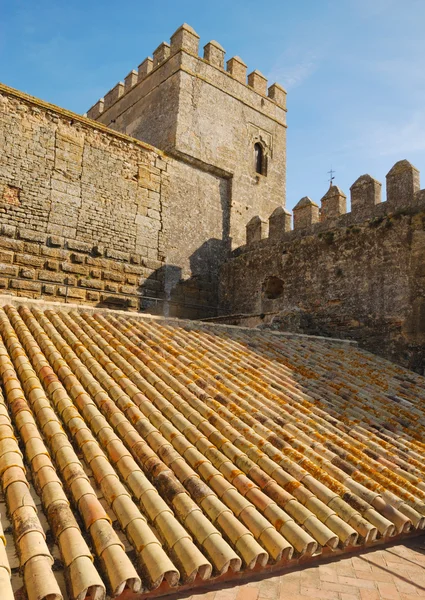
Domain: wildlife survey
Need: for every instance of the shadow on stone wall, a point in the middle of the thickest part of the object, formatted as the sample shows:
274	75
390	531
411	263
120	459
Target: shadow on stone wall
167	293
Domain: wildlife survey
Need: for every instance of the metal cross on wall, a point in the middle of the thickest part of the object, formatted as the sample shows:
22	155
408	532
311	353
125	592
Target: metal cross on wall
331	176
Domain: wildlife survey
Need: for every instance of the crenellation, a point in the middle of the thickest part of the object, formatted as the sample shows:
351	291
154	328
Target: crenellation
113	95
403	181
306	213
278	94
256	230
184	39
145	68
333	204
237	69
279	224
214	54
130	80
365	195
258	82
161	54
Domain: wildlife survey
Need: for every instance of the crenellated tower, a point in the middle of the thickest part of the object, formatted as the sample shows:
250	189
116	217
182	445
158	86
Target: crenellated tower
219	119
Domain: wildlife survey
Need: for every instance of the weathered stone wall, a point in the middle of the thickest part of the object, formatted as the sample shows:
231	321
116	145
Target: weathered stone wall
80	207
344	276
197	214
193	108
89	214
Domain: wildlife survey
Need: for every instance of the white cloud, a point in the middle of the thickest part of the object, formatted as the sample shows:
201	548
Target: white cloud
291	70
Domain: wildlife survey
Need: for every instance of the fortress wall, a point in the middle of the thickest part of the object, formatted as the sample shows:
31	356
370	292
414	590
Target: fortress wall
197	110
358	275
92	215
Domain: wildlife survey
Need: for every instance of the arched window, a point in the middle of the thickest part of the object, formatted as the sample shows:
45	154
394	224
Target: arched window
259	159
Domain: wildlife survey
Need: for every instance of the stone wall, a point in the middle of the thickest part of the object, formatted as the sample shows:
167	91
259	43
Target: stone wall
92	215
195	109
357	275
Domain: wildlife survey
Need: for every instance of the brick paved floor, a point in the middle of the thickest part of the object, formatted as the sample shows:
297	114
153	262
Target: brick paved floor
394	573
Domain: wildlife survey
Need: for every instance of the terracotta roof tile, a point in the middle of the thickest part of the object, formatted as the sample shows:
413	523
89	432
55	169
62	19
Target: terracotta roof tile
211	449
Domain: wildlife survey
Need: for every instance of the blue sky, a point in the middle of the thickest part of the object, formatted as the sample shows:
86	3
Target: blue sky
354	69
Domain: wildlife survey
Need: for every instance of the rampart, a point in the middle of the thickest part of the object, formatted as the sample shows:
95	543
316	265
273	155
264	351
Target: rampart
92	215
357	275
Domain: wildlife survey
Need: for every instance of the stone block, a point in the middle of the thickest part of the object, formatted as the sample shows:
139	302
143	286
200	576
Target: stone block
8	230
279	224
145	68
52	265
29	260
31	236
184	39
51	276
117	255
3	283
93	296
71	292
72	268
113	95
134	269
128	289
6	257
333	204
365	194
255	230
31	248
214	54
91	283
113	276
161	164
96	110
55	241
258	82
10	244
130	81
403	181
237	69
27	273
48	289
79	246
115	300
54	253
9	270
277	93
133	303
77	259
306	213
30	286
161	54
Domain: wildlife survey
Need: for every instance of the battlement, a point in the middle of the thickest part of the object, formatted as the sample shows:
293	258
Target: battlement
403	195
186	40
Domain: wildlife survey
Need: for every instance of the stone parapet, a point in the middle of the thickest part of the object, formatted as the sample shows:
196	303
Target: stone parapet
255	230
186	40
404	196
333	204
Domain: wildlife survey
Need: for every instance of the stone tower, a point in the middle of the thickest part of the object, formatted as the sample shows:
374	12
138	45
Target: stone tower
217	120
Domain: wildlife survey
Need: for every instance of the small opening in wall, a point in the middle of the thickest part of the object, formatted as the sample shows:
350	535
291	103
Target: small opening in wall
273	287
260	159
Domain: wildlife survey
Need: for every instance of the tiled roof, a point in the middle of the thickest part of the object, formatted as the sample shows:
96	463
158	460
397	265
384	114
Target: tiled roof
164	453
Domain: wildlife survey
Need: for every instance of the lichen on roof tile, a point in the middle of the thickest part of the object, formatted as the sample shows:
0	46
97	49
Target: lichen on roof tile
213	450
